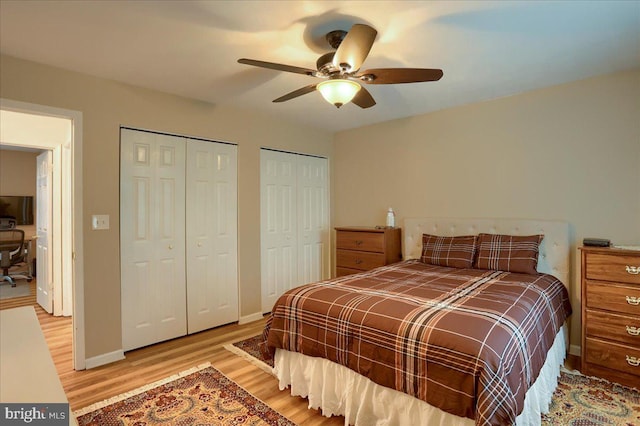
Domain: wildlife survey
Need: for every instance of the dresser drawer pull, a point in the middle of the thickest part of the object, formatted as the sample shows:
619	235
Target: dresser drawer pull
634	331
633	300
358	261
633	270
633	361
359	243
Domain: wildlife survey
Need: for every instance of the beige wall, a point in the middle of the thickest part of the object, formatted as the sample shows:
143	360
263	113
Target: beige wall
570	152
18	177
17	172
105	105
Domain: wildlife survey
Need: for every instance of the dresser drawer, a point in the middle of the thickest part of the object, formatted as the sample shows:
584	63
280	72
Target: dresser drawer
614	356
360	260
621	328
606	267
341	272
616	298
362	241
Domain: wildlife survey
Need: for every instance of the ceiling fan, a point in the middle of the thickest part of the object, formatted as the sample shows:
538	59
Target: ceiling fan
341	70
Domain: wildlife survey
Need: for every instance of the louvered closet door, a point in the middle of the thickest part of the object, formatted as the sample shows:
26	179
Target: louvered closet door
152	238
212	277
294	222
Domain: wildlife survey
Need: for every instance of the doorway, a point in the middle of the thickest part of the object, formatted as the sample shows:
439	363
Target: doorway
59	130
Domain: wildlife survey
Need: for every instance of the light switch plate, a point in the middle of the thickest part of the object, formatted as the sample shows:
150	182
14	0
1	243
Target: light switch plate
99	222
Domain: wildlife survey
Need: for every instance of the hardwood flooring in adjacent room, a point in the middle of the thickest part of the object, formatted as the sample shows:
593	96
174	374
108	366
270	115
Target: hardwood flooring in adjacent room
146	365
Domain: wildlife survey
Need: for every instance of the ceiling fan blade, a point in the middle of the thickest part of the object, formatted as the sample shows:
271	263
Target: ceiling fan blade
363	98
355	47
278	67
399	75
302	91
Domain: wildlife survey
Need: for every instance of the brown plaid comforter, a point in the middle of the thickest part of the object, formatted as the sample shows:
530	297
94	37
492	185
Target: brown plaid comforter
468	341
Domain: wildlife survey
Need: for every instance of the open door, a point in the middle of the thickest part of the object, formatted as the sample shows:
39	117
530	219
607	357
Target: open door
44	250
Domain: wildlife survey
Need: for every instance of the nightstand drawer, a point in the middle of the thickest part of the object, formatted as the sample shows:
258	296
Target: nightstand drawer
605	267
610	297
621	328
362	241
360	260
614	356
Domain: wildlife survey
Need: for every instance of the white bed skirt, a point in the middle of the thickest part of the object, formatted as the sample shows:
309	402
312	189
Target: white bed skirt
338	390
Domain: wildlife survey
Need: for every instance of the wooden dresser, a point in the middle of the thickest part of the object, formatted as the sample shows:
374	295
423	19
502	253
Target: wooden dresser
611	314
360	249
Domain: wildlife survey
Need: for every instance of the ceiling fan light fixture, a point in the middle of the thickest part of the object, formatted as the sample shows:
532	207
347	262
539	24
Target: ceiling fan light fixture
338	91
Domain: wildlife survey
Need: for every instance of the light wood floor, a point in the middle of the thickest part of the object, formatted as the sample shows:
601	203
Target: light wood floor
155	362
158	361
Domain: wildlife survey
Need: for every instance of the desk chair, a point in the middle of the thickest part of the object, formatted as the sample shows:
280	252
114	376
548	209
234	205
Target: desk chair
12	253
7	223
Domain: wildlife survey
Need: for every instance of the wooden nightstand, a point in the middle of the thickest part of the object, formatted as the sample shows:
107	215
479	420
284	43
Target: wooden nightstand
611	314
360	249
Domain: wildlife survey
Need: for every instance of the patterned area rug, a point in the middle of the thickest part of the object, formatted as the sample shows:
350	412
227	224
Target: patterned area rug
250	350
200	396
588	401
578	400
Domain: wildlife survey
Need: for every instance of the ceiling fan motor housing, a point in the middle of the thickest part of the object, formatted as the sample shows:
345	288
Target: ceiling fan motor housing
325	65
334	38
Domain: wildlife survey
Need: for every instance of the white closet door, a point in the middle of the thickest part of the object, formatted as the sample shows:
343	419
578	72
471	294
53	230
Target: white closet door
152	238
212	273
44	220
313	219
294	222
278	242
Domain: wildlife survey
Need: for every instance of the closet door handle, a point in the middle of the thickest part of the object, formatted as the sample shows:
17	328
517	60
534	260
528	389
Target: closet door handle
170	246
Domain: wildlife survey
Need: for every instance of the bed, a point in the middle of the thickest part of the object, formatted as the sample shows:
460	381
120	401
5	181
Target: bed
466	330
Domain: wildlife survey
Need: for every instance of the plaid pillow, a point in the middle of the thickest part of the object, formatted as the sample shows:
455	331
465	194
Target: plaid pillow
456	252
509	253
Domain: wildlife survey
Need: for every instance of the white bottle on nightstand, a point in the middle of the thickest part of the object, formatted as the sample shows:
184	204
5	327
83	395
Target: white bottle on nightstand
391	218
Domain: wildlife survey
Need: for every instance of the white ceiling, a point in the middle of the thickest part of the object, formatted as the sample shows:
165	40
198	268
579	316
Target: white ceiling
487	49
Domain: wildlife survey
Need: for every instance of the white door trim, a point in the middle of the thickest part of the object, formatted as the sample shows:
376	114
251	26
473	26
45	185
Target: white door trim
73	204
56	225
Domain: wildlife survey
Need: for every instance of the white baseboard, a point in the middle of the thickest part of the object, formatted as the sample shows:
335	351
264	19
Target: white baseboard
575	350
250	318
103	359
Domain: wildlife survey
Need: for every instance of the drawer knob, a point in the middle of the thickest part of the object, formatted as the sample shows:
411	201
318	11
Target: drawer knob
633	300
359	242
634	331
358	261
633	270
633	361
